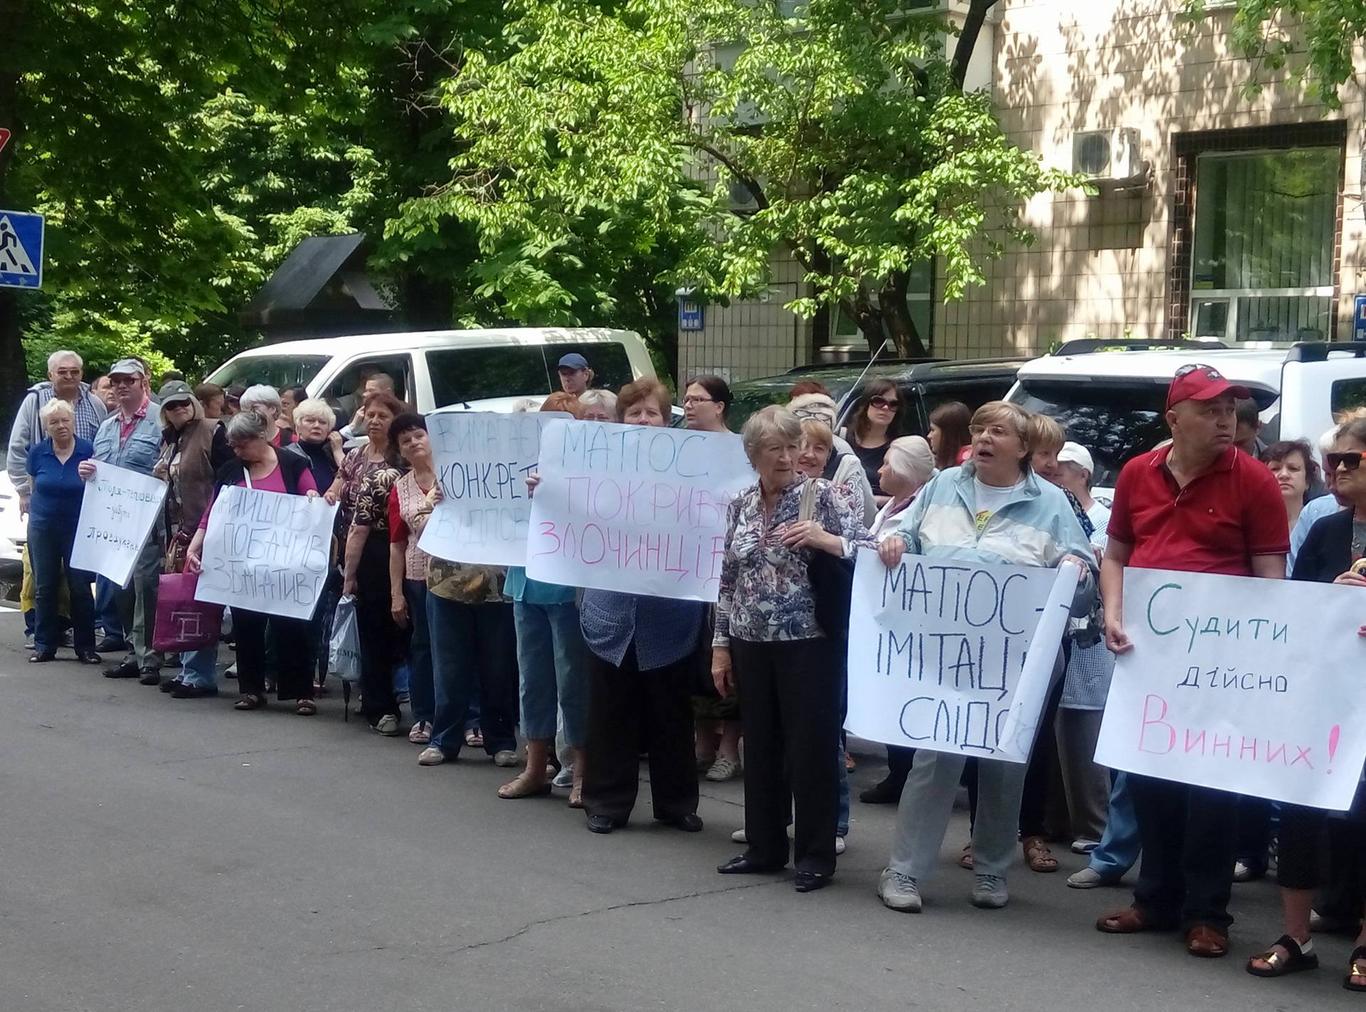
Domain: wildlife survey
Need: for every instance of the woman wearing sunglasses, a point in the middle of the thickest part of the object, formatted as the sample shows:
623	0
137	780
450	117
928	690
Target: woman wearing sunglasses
1329	555
876	422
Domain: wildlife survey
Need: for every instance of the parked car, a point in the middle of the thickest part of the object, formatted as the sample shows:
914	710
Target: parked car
435	369
13	530
1110	396
924	384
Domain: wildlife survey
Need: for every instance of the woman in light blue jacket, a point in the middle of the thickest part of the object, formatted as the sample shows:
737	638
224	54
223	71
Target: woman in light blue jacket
990	510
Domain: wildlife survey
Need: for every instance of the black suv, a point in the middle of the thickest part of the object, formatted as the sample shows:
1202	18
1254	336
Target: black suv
924	384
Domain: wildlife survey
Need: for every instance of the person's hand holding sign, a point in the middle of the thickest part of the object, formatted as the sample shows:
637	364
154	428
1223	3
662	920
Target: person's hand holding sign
891	550
1354	577
86	469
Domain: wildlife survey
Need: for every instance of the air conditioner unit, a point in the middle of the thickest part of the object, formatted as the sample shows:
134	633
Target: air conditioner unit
740	197
1108	154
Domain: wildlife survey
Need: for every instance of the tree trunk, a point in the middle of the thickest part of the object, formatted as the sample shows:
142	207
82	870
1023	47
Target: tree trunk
896	313
13	373
967	39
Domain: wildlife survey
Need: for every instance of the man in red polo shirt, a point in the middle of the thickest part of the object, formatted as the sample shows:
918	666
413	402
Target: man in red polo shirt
1198	506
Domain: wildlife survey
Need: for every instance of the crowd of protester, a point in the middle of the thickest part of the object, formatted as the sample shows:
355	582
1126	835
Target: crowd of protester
755	685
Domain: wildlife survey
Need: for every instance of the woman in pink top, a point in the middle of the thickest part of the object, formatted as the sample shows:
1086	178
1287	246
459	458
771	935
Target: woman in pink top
259	466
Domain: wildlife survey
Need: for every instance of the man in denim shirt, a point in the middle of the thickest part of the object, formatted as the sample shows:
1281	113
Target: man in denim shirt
130	437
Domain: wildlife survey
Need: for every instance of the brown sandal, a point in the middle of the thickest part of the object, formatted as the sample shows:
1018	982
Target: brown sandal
524	785
306	708
1038	856
249	701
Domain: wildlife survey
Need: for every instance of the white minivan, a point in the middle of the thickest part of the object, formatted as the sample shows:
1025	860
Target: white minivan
487	369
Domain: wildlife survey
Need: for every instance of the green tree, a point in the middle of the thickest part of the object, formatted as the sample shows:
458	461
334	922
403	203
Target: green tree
1313	41
837	129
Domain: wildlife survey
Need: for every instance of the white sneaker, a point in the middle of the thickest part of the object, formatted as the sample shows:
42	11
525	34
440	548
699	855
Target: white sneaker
723	769
839	845
1087	878
431	756
507	758
387	725
739	837
898	891
564	778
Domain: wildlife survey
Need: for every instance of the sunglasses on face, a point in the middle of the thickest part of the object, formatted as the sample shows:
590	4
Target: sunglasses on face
1350	461
883	403
1208	372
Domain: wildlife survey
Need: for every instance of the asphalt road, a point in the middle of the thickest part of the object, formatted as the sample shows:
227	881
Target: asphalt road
174	854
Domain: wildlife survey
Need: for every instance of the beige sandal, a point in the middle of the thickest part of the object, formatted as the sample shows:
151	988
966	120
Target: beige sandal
525	785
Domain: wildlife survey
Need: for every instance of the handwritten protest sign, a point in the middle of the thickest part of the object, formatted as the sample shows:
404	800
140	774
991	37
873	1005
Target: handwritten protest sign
266	551
482	459
954	656
1249	686
118	510
634	508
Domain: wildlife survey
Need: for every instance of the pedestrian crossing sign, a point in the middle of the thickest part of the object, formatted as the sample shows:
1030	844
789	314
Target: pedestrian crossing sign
21	250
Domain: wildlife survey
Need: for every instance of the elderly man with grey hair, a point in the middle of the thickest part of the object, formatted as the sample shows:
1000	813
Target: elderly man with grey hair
63	382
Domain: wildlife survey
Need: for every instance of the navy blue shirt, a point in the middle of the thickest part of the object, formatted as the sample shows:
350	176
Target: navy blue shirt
57	488
663	630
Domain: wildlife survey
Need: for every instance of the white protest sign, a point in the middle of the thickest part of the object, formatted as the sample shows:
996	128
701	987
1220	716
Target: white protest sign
118	509
954	656
1244	685
634	508
266	551
482	459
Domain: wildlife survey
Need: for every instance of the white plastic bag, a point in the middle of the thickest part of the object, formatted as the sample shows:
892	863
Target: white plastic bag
343	651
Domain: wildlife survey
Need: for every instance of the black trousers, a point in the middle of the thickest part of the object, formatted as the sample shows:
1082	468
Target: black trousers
1311	839
49	552
381	640
1189	836
1043	771
630	709
291	642
789	707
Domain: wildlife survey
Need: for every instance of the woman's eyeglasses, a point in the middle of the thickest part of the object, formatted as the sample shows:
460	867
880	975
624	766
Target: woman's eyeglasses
1351	461
883	403
699	400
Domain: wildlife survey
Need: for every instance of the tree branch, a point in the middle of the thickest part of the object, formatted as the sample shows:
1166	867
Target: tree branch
967	39
749	183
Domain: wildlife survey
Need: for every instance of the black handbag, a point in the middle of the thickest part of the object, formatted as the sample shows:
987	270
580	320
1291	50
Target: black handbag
831	578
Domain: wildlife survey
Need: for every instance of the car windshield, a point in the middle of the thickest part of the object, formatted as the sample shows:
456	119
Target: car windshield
751	395
278	371
1116	422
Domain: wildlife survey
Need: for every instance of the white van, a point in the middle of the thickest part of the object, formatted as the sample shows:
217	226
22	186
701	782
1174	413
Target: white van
441	368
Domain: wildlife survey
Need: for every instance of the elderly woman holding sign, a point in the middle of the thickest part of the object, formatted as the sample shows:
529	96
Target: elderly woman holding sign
640	650
991	510
54	511
259	466
784	664
1332	553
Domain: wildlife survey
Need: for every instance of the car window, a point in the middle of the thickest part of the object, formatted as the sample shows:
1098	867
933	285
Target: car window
278	371
1348	394
1115	422
474	374
611	368
346	391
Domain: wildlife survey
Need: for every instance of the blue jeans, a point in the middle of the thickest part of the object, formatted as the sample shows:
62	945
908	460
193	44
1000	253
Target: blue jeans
107	615
1119	845
474	648
421	692
200	667
49	550
550	654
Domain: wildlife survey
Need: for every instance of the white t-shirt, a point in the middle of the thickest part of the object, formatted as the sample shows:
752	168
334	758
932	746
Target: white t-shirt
990	498
1099	515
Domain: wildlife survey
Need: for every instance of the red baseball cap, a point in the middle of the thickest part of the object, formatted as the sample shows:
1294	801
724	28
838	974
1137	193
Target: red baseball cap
1196	382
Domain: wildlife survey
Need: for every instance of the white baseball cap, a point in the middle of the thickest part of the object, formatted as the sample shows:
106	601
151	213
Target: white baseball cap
1075	453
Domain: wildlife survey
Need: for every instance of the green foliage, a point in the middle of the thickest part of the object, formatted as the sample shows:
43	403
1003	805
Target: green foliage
641	122
1312	41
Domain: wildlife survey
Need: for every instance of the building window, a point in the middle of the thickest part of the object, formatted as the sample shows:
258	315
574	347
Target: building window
844	329
1262	262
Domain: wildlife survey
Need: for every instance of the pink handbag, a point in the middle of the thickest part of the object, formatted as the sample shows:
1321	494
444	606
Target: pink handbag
182	623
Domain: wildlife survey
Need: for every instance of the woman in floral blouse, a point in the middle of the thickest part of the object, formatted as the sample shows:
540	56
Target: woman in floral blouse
365	478
784	665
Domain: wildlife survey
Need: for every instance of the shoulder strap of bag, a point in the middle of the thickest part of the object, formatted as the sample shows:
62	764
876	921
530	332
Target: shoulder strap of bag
807	510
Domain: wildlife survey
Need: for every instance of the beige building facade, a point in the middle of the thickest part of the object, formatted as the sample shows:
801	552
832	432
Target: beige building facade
1218	214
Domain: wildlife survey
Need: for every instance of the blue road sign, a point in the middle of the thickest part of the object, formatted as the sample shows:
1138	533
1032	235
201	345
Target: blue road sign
21	250
1359	319
690	314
